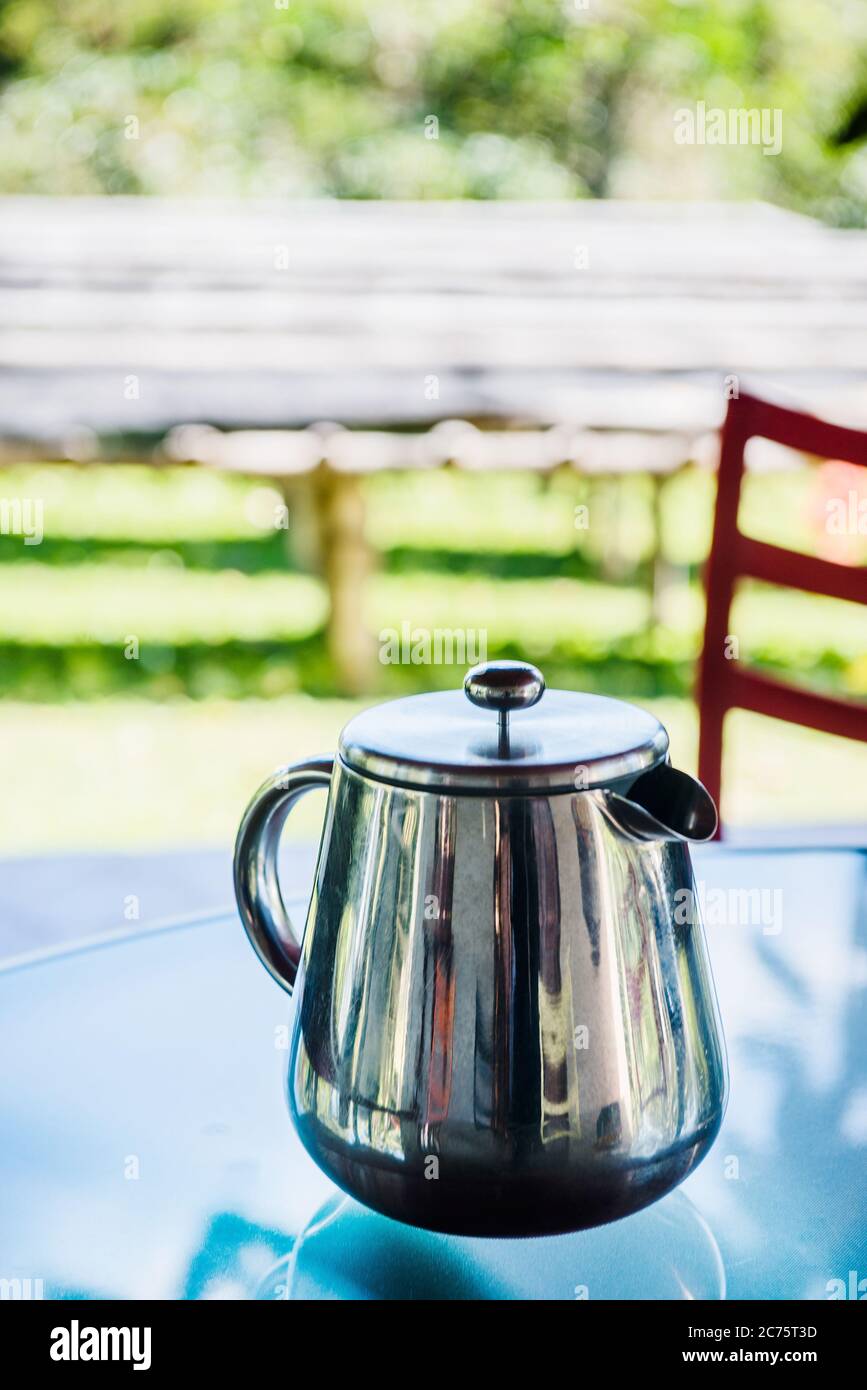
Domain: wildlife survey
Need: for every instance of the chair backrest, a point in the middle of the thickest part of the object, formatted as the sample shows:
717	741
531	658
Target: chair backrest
723	683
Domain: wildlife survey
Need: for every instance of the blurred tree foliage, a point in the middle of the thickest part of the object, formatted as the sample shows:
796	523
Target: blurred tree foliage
531	98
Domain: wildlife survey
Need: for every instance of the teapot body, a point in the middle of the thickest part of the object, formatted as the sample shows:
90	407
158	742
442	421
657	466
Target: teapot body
505	1021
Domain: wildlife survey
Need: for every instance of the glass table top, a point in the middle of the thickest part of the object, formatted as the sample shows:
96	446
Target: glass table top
146	1149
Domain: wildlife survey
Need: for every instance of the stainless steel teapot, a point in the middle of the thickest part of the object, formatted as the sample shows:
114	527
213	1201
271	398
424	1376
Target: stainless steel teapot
505	1021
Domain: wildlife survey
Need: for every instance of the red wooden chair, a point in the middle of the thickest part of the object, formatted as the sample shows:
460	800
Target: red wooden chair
723	683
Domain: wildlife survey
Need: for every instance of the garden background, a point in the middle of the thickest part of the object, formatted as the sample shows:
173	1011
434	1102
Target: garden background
328	100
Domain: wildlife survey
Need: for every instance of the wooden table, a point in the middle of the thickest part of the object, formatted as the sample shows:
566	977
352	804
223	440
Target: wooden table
605	314
168	1047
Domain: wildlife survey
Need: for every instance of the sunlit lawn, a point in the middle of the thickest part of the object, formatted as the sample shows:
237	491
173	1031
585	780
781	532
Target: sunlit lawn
124	773
179	560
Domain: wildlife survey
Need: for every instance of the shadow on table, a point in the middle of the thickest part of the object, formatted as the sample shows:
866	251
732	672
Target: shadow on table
348	1252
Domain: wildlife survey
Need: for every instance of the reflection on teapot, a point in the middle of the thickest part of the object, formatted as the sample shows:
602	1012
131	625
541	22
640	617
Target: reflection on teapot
502	1026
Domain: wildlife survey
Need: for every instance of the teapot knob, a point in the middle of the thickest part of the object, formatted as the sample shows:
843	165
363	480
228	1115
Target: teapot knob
504	686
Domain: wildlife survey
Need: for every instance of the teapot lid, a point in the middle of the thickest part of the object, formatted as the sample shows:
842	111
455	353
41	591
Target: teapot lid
469	741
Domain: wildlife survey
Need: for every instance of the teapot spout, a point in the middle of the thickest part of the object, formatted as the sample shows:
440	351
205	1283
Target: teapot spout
664	804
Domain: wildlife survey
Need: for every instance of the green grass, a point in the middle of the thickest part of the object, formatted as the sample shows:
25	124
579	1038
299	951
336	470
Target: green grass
164	747
126	773
101	627
164	603
146	505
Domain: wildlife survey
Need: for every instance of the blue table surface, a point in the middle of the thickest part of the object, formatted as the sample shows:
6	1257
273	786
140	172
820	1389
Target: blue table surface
146	1149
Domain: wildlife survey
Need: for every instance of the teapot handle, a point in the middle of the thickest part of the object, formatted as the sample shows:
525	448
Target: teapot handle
257	887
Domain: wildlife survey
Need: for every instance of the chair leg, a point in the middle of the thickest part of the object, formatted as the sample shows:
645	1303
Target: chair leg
710	751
